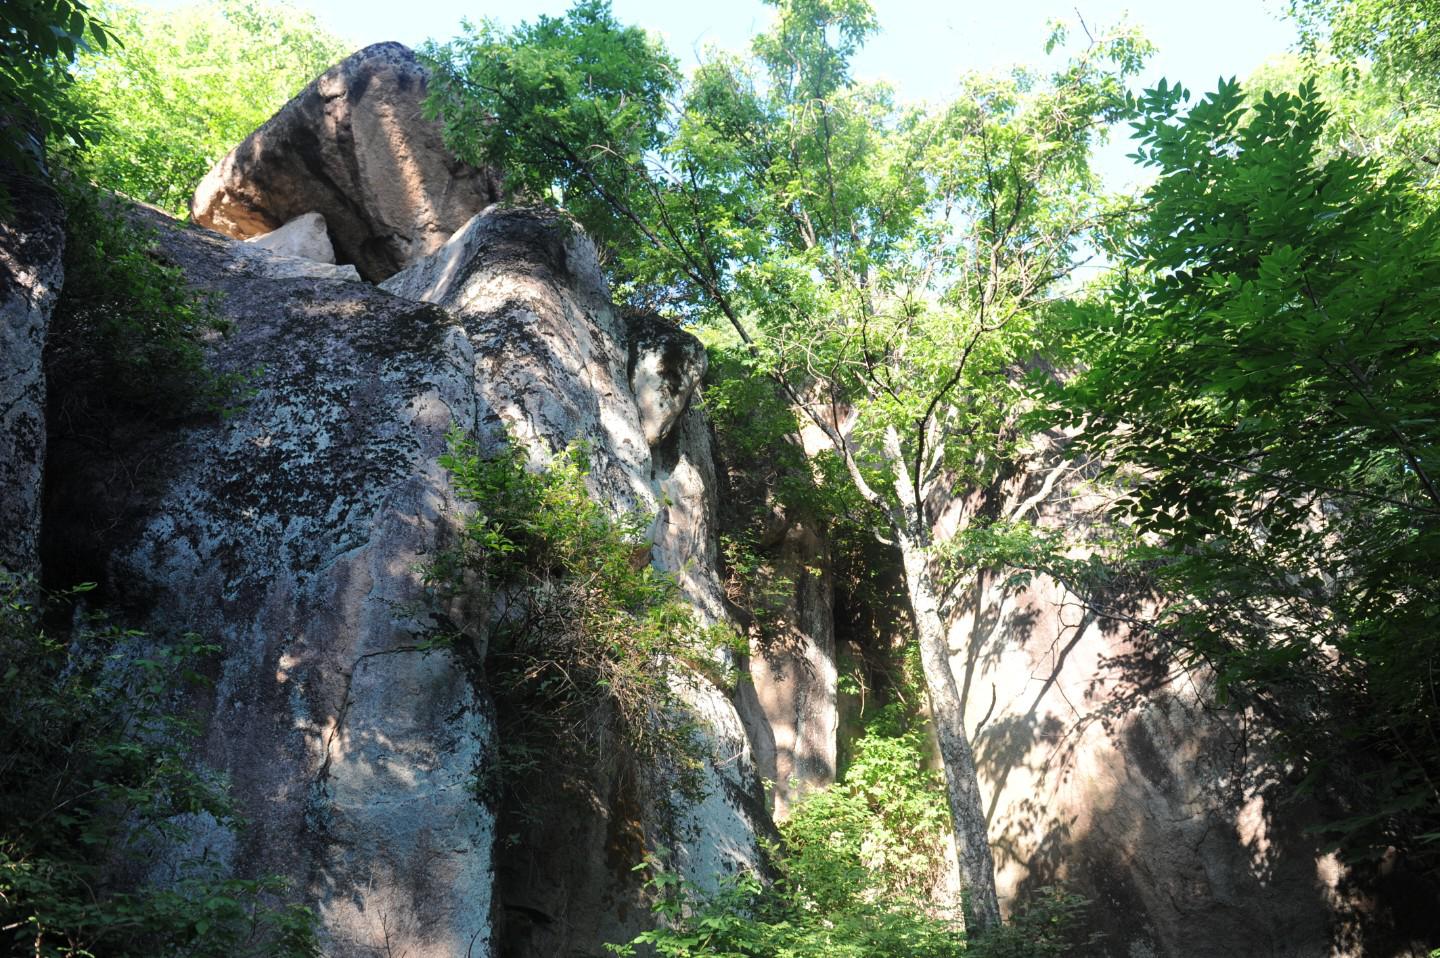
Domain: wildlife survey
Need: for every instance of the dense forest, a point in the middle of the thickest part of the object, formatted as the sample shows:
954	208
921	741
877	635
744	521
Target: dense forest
920	324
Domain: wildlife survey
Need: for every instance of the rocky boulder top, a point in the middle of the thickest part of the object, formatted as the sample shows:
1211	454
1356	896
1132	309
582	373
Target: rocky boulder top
354	147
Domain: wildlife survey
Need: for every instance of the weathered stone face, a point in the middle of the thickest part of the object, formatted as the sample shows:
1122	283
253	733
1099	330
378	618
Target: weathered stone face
793	673
552	361
291	534
303	237
1103	768
665	368
353	147
32	246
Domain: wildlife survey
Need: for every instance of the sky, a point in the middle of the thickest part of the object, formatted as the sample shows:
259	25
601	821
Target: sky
924	45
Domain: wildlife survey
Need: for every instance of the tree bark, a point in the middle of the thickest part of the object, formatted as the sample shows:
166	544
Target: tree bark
967	810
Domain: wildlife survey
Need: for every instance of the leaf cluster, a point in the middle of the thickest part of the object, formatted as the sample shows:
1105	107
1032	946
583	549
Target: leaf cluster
40	41
127	330
187	86
858	870
1261	377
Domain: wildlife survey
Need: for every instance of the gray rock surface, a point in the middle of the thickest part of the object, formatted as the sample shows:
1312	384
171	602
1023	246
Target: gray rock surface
32	246
290	534
551	368
304	237
354	147
665	368
793	672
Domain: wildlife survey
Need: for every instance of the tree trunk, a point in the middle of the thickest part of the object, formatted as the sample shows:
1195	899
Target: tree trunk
967	811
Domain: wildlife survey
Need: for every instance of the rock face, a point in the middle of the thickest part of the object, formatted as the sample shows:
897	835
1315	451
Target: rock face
353	147
1103	769
664	370
793	673
303	237
32	245
291	533
551	368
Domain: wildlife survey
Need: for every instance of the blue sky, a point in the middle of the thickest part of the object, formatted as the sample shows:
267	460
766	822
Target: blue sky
924	45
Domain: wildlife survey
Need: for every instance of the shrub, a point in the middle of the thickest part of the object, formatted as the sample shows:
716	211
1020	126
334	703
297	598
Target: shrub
587	638
127	328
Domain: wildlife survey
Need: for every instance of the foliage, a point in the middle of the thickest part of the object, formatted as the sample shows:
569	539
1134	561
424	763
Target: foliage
39	43
744	920
1262	376
880	832
857	867
883	264
93	777
582	89
861	863
127	327
588	638
1371	115
188	85
1398	40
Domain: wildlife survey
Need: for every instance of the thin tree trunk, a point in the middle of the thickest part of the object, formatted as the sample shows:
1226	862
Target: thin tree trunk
967	811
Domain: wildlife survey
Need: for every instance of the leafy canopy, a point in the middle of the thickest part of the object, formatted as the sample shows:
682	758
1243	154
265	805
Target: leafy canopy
862	252
40	41
1262	378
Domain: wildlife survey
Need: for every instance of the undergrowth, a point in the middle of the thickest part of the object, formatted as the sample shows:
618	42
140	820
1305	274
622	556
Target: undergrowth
128	330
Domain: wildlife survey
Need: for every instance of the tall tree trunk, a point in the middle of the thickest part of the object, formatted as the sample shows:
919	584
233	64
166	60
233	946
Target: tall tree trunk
967	811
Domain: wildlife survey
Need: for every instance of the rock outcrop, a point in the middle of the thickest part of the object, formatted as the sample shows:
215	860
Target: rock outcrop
793	672
303	237
292	533
32	246
551	368
1103	768
354	147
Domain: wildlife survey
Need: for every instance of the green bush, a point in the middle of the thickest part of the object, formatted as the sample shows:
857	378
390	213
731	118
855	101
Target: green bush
588	638
39	43
857	874
188	85
94	777
878	833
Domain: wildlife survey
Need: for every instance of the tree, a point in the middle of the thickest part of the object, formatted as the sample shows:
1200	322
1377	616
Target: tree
39	43
1376	63
1261	376
190	84
884	264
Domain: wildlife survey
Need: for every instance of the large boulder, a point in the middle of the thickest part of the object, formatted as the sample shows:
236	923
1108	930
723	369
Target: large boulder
32	245
354	147
1105	766
553	364
289	533
304	237
292	532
